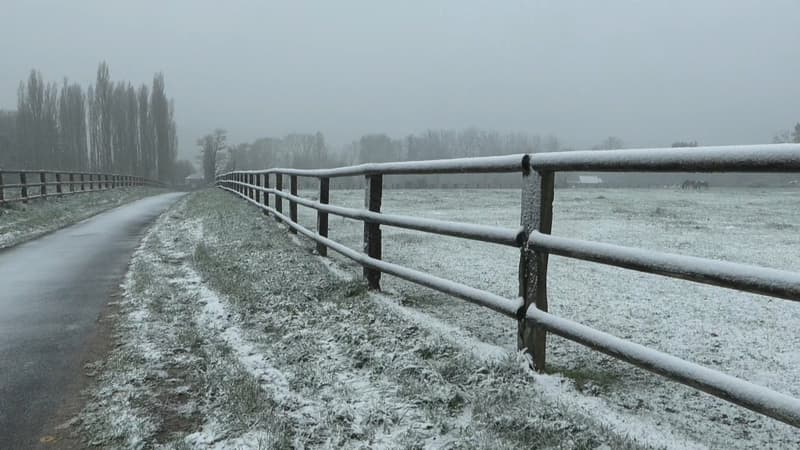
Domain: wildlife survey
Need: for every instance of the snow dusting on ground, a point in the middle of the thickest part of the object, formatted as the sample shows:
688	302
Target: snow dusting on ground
230	335
748	336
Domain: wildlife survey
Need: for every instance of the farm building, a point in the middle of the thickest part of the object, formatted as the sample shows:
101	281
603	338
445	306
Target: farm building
584	180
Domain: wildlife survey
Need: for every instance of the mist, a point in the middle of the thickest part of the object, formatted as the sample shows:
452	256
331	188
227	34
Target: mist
715	72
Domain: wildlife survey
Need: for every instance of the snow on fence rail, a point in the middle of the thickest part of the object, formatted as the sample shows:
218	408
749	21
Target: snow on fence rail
535	243
65	183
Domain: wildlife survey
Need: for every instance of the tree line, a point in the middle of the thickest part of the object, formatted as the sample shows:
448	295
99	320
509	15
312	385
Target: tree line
109	127
305	151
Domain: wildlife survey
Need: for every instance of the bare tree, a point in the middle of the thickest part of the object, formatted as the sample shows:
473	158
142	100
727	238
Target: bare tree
211	145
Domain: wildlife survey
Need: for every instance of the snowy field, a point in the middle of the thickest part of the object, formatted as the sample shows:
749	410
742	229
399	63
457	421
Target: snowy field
20	222
232	334
748	336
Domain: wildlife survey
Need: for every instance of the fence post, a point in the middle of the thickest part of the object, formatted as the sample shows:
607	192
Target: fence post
278	198
23	180
537	215
2	194
71	182
251	183
59	191
43	184
266	195
258	183
322	217
372	231
292	204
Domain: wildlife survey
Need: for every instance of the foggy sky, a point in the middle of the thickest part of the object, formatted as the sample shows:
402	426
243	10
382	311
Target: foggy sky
719	72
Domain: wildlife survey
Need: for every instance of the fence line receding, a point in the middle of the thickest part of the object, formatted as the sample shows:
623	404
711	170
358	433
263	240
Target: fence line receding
41	184
536	244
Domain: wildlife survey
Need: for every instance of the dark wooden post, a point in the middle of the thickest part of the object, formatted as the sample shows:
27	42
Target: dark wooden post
71	182
251	183
293	204
23	180
266	195
43	184
2	194
59	191
322	217
537	215
372	231
257	182
278	198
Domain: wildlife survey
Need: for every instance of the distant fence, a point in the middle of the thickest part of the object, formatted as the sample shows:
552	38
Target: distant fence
533	238
25	185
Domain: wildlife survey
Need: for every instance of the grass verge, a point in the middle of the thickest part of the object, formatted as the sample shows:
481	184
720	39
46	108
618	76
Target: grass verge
232	336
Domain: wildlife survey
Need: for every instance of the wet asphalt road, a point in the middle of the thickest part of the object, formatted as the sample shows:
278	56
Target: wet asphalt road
51	293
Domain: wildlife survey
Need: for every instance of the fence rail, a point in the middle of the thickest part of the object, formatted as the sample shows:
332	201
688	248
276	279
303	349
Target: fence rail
63	182
536	244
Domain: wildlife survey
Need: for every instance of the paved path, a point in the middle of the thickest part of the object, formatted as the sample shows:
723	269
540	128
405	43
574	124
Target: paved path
51	293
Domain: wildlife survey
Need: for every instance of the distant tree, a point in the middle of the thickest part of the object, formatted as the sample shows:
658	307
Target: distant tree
37	123
238	157
377	148
147	146
610	143
101	110
210	146
684	144
163	127
9	150
183	168
788	136
72	127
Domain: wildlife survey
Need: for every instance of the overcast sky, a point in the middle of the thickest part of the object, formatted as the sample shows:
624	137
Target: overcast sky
716	71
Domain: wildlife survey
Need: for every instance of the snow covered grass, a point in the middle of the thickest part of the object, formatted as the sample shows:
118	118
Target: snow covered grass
745	335
20	222
230	335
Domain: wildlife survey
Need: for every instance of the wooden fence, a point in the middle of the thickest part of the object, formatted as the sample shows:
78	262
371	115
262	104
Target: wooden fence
535	242
32	184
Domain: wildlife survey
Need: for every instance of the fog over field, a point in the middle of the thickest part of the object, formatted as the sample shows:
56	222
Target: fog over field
194	319
715	72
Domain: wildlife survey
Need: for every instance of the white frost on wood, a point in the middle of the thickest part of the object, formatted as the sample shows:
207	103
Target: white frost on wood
759	280
727	158
507	163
